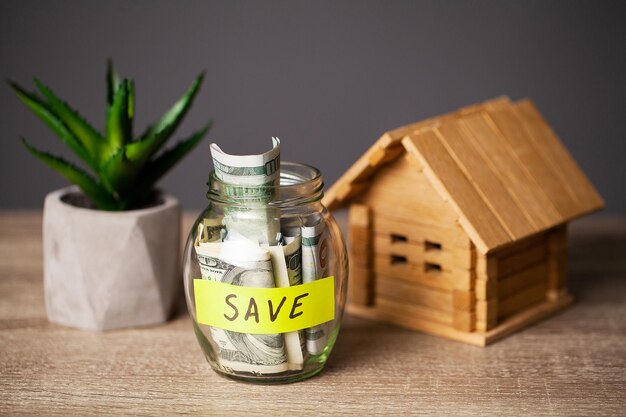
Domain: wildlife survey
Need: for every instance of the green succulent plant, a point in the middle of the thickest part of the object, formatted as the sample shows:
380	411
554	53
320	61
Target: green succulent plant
125	169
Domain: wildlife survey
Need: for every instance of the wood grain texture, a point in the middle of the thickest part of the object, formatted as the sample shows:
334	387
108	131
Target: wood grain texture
386	149
445	175
399	190
572	364
528	194
452	236
485	179
360	288
503	172
419	274
403	131
576	182
414	293
417	253
513	129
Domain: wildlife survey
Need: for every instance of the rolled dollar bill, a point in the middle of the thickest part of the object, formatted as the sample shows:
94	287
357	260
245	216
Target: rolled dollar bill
292	231
246	264
252	178
288	272
314	267
248	170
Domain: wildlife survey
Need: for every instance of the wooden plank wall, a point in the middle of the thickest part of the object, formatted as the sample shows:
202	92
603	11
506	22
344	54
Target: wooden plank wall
424	271
519	276
486	292
360	279
410	258
522	275
423	261
390	270
557	263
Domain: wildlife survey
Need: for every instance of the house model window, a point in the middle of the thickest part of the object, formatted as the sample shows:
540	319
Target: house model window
428	245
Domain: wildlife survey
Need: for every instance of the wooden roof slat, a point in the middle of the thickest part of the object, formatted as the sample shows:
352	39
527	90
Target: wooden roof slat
367	164
349	190
400	132
485	180
514	176
386	155
387	140
449	180
513	131
385	150
573	178
527	193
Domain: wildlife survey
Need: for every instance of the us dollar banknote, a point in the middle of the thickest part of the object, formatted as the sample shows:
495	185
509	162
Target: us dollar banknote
251	180
245	264
286	262
315	266
209	230
291	232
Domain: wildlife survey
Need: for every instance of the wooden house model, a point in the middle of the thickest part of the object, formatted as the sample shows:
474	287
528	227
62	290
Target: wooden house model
457	224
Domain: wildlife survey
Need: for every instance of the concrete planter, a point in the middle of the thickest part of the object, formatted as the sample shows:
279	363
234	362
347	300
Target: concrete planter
106	270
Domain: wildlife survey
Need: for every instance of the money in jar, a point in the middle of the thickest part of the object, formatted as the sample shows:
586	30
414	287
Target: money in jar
265	269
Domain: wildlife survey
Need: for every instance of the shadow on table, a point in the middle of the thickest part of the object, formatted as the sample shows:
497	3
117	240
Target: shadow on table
180	306
358	340
597	264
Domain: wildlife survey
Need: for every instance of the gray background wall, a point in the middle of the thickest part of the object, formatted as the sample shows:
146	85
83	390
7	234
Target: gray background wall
327	77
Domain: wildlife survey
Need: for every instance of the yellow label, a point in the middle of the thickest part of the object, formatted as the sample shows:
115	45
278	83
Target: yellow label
264	310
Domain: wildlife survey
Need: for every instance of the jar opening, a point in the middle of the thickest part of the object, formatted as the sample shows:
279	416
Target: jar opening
299	184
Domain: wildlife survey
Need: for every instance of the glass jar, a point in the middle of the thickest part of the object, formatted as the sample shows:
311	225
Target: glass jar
266	278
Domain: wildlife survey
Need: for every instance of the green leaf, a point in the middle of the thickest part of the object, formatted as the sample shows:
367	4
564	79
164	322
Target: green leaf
130	106
113	81
139	152
118	175
90	138
118	123
164	162
98	195
42	110
170	157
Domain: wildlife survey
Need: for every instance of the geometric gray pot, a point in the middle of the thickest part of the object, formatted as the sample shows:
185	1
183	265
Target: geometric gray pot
106	270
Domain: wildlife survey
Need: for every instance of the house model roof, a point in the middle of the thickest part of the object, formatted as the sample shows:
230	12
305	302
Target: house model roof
499	165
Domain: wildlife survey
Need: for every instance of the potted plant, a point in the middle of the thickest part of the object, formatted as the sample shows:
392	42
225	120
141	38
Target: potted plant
111	242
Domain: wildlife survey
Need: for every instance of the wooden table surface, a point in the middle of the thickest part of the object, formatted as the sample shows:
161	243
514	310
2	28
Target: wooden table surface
571	364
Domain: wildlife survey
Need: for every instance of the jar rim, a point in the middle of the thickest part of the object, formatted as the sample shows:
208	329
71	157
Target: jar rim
298	184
